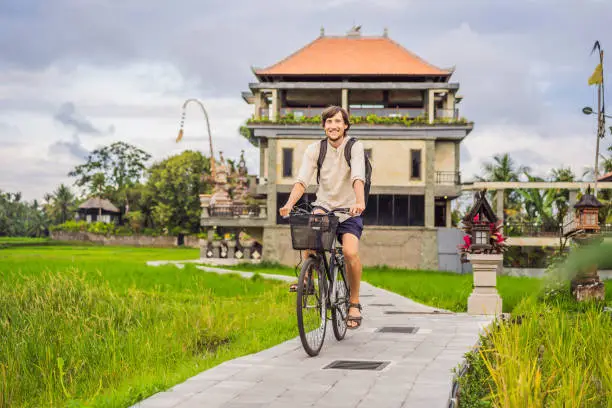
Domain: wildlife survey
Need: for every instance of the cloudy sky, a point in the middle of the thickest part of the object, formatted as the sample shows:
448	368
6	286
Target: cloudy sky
79	74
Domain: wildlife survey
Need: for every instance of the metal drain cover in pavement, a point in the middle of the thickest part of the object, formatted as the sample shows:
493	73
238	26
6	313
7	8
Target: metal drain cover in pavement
398	329
380	304
357	365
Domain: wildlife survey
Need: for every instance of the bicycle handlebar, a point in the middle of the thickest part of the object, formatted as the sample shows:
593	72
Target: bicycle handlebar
302	211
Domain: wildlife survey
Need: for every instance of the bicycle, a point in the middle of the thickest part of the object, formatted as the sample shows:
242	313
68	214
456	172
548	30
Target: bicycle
322	279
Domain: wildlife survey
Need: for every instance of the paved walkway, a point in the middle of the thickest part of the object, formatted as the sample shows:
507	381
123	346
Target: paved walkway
417	371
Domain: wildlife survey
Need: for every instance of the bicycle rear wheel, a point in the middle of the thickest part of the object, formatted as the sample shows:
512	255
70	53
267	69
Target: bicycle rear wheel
340	306
312	306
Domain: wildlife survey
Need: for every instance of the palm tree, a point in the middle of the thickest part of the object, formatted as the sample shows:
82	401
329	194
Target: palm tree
538	204
561	196
503	168
98	185
63	203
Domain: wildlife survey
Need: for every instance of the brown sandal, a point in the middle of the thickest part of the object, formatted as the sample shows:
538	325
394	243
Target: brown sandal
356	319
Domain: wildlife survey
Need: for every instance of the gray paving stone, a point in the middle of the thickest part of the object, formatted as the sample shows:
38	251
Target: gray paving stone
162	400
419	373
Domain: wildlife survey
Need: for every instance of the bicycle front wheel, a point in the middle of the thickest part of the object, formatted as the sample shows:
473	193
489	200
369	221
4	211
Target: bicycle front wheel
341	302
312	306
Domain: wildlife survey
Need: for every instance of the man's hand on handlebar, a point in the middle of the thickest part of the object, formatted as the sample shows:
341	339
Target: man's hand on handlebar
285	210
357	209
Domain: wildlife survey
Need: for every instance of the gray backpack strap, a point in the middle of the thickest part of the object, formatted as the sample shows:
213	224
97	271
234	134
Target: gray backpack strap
347	150
322	153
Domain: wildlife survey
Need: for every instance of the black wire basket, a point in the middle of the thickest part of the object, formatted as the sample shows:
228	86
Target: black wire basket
313	231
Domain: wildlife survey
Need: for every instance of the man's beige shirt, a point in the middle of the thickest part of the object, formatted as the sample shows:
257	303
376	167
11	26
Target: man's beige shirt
337	178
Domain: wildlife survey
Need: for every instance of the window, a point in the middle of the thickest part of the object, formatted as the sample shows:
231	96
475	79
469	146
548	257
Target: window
385	210
399	210
417	210
415	164
440	213
287	162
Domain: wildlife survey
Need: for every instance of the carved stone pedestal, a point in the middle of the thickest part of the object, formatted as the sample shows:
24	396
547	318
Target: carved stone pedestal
484	299
591	288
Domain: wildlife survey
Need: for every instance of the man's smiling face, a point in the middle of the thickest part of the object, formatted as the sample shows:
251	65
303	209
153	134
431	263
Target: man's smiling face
335	127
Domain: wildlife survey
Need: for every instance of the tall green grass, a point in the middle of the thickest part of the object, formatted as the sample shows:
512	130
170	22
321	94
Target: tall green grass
552	352
94	326
549	355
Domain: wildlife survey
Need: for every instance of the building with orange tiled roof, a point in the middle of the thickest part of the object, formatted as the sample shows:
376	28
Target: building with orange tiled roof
606	177
405	111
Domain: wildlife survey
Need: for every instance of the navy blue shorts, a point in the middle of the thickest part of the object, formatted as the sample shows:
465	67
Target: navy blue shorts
353	225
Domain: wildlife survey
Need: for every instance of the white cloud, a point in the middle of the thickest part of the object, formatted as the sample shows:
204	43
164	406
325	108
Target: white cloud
142	103
522	67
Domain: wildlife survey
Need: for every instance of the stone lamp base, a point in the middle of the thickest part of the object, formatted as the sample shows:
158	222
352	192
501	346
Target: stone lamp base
485	299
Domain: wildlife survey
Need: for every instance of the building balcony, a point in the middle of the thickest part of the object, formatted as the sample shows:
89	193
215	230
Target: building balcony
300	114
448	177
233	214
236	211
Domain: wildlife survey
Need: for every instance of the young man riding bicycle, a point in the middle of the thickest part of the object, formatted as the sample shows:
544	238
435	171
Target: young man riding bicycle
340	186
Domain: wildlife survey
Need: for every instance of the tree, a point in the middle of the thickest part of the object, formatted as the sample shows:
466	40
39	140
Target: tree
60	204
118	166
503	168
18	218
97	185
248	135
175	184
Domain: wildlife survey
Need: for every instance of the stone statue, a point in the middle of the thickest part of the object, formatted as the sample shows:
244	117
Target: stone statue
220	196
241	190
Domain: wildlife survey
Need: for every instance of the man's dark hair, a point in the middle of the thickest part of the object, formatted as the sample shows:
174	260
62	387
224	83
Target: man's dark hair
332	111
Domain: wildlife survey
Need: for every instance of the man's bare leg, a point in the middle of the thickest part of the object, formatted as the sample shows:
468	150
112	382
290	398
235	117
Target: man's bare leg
350	249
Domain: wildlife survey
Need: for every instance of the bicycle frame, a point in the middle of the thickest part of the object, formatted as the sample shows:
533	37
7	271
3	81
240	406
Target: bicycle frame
328	266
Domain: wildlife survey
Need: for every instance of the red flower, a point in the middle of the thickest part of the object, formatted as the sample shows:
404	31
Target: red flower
467	240
476	218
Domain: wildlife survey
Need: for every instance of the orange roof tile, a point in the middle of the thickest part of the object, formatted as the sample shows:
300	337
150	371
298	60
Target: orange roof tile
353	56
606	177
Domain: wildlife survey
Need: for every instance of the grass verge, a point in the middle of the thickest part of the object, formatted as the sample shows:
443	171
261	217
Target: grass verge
94	326
549	354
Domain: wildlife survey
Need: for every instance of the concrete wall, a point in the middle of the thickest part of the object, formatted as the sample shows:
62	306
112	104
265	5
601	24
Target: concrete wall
395	172
131	240
445	156
400	247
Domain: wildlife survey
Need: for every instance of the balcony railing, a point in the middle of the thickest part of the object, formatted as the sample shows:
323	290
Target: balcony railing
388	112
447	113
527	229
230	211
547	230
381	112
448	177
